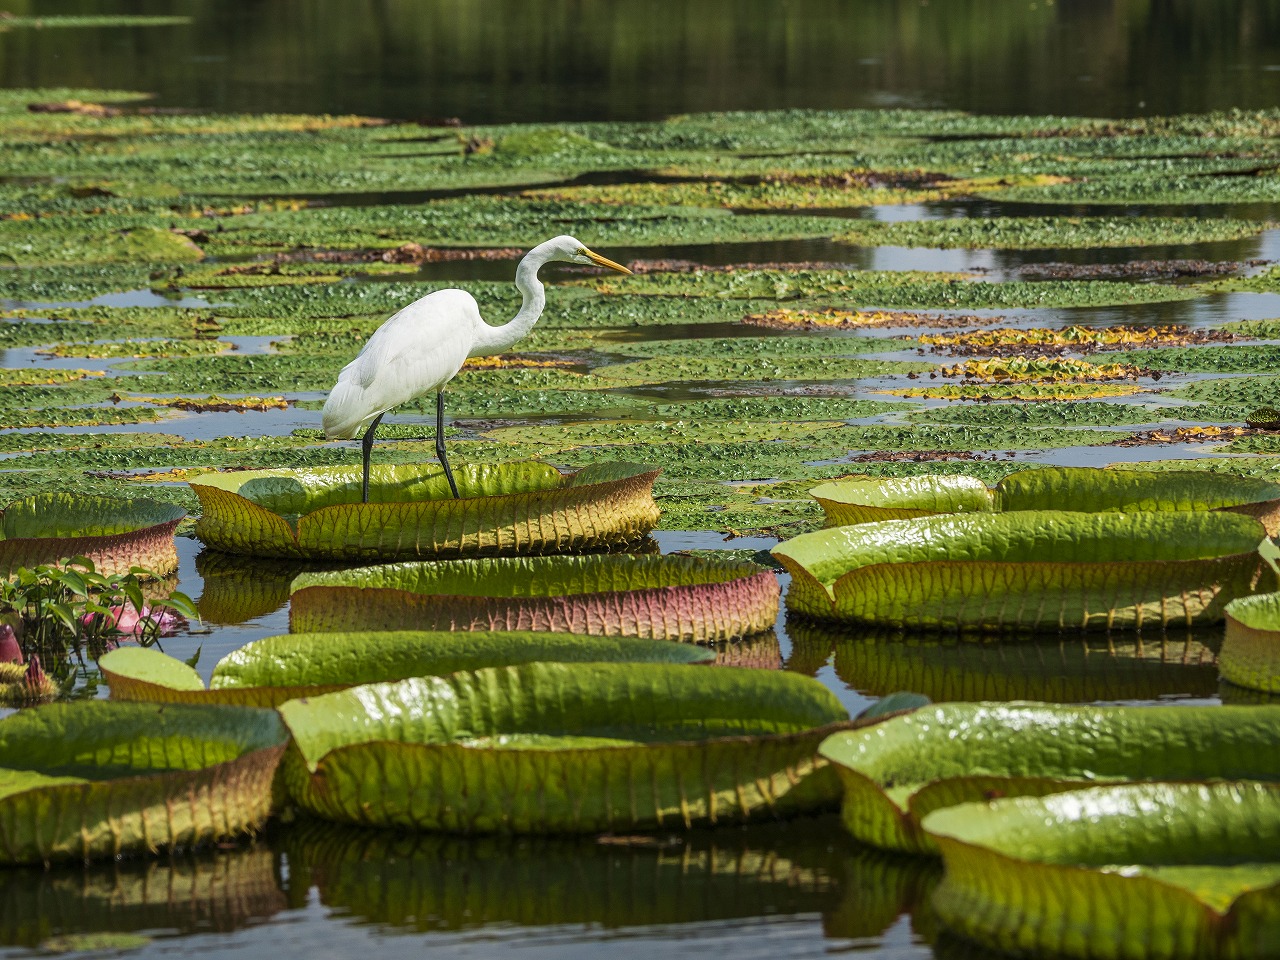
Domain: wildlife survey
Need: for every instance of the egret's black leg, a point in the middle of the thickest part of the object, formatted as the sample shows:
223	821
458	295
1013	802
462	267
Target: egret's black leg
366	445
444	461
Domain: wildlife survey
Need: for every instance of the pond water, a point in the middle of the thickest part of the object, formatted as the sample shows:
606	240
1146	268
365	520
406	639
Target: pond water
793	890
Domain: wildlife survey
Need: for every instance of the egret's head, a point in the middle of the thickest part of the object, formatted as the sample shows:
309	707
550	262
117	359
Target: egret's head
575	251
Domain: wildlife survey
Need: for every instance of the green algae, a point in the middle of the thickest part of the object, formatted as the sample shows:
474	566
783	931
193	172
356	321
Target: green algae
1261	358
43	242
893	289
1028	233
1065	413
778	408
760	368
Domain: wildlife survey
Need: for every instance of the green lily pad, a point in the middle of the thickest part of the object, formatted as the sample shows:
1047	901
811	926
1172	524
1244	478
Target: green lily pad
939	756
115	534
662	598
1151	871
97	779
1037	569
565	748
513	508
1251	650
1083	489
268	672
1084	669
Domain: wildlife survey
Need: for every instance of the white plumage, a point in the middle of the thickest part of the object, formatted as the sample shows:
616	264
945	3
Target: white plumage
422	347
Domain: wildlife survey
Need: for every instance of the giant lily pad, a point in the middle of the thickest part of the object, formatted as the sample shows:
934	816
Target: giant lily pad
1077	669
115	534
268	672
1251	651
513	508
565	748
96	779
1028	569
1084	489
942	755
1147	872
662	598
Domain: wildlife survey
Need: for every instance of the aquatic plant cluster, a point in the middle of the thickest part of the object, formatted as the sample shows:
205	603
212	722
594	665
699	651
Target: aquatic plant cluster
507	662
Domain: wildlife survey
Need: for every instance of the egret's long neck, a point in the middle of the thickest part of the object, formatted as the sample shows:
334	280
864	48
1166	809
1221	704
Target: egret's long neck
496	339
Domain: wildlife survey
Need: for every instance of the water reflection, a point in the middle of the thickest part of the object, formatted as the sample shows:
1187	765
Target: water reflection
769	874
1103	668
208	891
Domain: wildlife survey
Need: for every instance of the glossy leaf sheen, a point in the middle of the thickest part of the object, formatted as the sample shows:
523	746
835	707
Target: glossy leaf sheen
271	671
896	773
1042	568
549	747
1147	871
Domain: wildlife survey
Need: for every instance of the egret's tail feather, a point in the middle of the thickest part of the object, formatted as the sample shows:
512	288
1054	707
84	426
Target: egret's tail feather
345	413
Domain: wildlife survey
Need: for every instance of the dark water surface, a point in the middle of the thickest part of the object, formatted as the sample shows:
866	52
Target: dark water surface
797	890
556	60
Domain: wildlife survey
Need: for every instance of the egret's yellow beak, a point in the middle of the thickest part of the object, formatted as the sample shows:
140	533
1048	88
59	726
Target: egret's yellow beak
603	261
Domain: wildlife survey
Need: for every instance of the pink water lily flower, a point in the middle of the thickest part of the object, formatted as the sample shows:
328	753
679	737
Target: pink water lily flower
128	620
10	650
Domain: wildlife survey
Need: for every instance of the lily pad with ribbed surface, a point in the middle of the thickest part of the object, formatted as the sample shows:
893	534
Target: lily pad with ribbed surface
1041	569
1084	489
1251	650
1077	669
504	509
116	534
658	597
565	748
1136	872
898	772
268	672
98	779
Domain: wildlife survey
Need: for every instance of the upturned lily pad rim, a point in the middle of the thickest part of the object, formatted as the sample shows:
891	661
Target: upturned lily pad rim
147	674
929	493
295	713
1054	872
87	515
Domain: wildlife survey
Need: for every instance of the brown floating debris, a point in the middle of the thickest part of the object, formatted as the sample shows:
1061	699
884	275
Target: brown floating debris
1133	269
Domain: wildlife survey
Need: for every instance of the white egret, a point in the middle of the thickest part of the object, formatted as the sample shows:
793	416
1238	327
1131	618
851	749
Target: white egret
420	349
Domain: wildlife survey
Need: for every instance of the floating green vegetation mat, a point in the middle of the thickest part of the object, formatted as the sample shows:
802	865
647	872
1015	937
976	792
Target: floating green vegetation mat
1064	413
1030	569
898	772
114	534
905	289
1080	489
1134	871
108	197
626	746
97	779
268	672
1251	651
661	598
1085	669
114	20
512	508
1028	233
